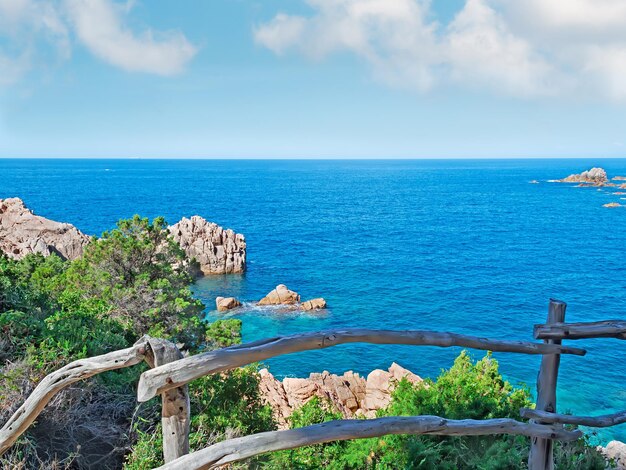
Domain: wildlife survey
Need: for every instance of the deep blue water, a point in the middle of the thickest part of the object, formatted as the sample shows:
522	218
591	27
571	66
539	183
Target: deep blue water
456	245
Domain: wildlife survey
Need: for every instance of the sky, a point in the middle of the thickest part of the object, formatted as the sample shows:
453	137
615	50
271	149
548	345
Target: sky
312	78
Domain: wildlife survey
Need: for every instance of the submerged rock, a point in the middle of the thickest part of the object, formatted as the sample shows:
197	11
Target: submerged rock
22	232
217	250
595	176
349	393
281	295
226	303
314	304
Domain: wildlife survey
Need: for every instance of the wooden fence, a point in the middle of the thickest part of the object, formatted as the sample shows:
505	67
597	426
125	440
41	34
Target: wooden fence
170	373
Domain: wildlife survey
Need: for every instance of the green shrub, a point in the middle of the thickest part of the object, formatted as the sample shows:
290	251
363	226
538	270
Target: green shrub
467	390
142	274
331	455
222	406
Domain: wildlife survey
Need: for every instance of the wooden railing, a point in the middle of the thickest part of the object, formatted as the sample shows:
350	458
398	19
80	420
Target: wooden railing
170	373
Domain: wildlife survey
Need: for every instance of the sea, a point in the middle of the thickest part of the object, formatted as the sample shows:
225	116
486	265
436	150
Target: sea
464	246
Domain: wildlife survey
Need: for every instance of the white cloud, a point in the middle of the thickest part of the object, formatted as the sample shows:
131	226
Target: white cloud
393	36
481	50
29	29
521	48
99	26
22	22
12	68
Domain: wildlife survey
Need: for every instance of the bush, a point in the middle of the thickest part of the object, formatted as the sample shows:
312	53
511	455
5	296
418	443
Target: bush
141	273
467	390
132	281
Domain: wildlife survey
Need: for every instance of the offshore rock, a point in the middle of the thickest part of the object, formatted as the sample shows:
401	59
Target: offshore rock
22	232
218	251
350	394
314	304
612	204
281	295
224	304
595	176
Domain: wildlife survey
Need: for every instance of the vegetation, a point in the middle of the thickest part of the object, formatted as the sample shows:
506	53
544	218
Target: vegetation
467	390
135	280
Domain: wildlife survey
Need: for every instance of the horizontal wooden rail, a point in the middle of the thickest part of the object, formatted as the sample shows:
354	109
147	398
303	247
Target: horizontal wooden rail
234	450
175	374
603	421
599	329
58	380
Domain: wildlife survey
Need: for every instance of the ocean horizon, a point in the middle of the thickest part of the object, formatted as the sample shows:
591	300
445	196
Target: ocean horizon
460	245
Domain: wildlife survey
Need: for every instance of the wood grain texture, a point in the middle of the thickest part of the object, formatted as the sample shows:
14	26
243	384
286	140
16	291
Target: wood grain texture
175	409
175	374
541	450
56	381
602	421
234	450
598	329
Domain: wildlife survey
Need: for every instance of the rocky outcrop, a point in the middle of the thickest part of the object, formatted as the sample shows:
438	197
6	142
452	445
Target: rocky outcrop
217	250
22	232
349	393
224	304
612	205
595	176
615	451
314	304
619	178
281	295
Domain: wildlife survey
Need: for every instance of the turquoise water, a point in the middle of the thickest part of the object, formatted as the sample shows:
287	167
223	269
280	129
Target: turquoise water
463	246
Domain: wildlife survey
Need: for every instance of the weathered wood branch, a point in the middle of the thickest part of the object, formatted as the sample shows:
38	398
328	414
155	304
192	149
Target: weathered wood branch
175	409
56	381
160	379
234	450
602	421
541	455
598	329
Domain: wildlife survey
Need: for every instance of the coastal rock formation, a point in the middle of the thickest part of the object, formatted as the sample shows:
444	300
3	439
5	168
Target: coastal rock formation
619	178
612	204
281	295
217	250
616	451
226	303
349	393
22	232
595	176
314	304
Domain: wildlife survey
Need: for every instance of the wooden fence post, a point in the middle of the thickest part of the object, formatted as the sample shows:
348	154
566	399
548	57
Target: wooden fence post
175	413
541	453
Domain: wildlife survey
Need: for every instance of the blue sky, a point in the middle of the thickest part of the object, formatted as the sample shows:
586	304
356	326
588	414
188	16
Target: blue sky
315	78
